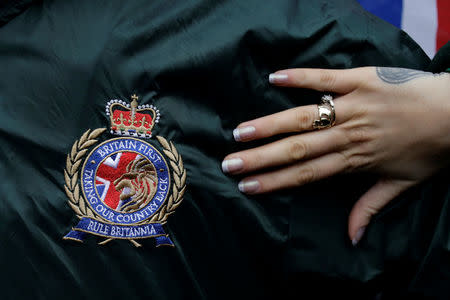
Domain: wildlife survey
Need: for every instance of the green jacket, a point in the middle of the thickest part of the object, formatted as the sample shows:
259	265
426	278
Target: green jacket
204	65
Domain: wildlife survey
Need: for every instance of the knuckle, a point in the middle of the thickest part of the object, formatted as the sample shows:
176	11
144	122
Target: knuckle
327	80
370	210
253	160
305	175
303	120
299	77
297	150
363	75
358	134
356	160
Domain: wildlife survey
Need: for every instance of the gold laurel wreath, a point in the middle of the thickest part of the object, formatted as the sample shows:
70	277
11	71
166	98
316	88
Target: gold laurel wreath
73	162
179	182
77	201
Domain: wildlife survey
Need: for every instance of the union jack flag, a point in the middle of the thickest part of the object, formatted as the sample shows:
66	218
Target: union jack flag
426	21
111	169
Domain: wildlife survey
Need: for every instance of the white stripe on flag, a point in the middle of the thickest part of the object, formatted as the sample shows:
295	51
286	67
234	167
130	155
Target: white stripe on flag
419	20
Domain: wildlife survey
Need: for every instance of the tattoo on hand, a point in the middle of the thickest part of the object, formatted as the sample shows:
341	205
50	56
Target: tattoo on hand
400	75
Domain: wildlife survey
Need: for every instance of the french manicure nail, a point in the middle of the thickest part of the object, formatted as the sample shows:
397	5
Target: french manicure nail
277	78
358	236
243	133
232	165
249	186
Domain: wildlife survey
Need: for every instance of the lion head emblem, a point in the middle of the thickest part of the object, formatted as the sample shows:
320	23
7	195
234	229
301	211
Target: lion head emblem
137	185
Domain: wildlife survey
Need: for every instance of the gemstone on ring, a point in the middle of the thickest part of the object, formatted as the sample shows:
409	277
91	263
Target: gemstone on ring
327	114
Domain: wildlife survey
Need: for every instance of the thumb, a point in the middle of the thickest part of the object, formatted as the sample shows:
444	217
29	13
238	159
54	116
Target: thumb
371	203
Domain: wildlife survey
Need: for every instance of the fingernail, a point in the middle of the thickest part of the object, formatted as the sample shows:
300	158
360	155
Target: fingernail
249	186
277	78
243	133
232	165
358	236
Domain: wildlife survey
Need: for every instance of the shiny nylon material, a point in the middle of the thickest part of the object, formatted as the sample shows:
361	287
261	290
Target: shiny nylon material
205	65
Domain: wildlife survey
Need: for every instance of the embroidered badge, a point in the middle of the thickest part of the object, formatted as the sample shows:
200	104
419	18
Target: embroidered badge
124	188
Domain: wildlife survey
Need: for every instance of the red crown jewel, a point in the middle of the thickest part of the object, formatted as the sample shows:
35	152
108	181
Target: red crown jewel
132	119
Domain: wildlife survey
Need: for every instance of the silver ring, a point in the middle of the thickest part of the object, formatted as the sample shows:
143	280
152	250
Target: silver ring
327	114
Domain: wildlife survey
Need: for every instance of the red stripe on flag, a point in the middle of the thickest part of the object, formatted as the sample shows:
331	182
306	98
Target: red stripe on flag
443	31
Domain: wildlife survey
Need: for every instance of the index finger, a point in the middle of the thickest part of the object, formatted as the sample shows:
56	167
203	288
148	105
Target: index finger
337	81
296	119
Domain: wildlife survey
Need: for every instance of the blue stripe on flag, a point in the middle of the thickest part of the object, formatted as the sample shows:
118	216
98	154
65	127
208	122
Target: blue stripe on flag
388	10
100	188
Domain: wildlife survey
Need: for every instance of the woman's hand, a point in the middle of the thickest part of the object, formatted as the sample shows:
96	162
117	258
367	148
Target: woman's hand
390	121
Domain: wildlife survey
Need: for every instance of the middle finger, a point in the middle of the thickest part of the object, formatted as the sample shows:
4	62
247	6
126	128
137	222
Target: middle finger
286	151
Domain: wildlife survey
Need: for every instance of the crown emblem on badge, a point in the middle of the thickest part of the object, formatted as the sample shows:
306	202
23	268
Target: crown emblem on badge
132	119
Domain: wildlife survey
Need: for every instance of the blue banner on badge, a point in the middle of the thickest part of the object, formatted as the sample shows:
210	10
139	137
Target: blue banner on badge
88	225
